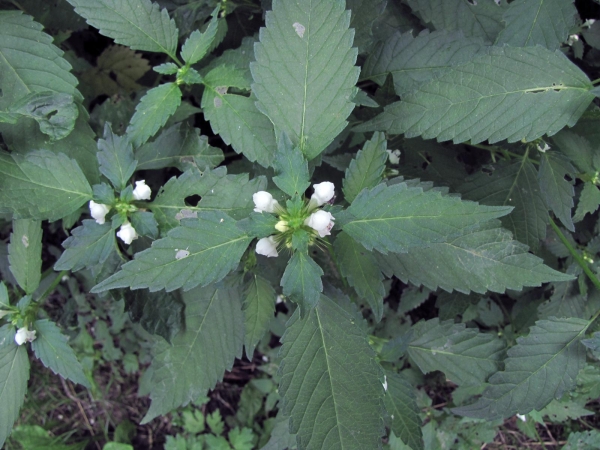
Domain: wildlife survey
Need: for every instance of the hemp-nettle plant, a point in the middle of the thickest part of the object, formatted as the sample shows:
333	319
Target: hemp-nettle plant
393	190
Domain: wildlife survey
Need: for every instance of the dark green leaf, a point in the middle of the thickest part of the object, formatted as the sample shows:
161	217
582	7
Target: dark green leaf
302	280
366	169
401	405
197	44
160	313
144	223
291	167
89	244
258	225
25	253
589	200
259	309
556	190
566	301
115	157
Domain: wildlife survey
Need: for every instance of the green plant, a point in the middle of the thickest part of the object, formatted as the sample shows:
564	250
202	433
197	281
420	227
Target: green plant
338	202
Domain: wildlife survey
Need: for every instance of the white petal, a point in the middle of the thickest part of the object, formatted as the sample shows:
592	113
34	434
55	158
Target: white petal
323	192
263	201
21	336
267	247
321	221
98	211
142	191
127	233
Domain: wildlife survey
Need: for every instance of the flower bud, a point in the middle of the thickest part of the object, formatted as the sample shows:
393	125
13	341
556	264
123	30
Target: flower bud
267	247
264	202
24	335
321	221
142	191
282	226
394	156
323	192
127	233
99	211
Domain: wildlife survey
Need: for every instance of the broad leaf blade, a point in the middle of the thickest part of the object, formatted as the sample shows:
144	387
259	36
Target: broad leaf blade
153	111
557	191
138	24
302	280
199	252
52	349
89	244
292	168
115	157
397	218
25	253
366	169
304	74
509	93
401	405
466	356
541	367
589	200
538	22
334	401
201	354
160	313
196	46
41	185
259	309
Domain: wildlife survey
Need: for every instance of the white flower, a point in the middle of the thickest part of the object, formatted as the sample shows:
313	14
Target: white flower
141	191
24	335
321	221
543	149
127	233
385	383
99	211
323	192
394	156
264	202
522	417
267	247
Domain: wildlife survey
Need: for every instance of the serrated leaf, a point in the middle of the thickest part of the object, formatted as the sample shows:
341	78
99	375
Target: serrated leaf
541	367
200	355
25	253
52	349
360	269
564	302
480	18
583	440
538	22
556	190
304	74
259	310
153	111
401	405
412	298
160	313
509	93
166	68
14	374
115	156
513	185
138	24
577	148
486	259
89	244
55	113
179	146
197	44
291	167
280	435
41	185
397	218
589	200
364	15
302	280
144	223
235	117
336	400
198	252
466	356
413	61
366	169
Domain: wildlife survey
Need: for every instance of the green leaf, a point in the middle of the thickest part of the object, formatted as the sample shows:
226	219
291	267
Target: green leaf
397	218
482	18
302	280
583	440
513	185
366	169
197	44
41	185
144	223
304	74
55	113
179	146
52	349
541	367
508	93
258	225
564	302
589	200
166	68
556	190
152	112
364	15
413	61
199	356
89	244
138	24
199	252
241	439
236	118
486	259
280	435
360	269
291	167
466	356
259	310
14	373
115	157
577	148
25	253
538	22
401	405
335	400
160	313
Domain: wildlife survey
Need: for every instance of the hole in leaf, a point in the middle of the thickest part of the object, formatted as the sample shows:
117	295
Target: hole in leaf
568	178
193	200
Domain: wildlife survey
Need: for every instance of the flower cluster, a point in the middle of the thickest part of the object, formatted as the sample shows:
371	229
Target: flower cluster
126	233
320	222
